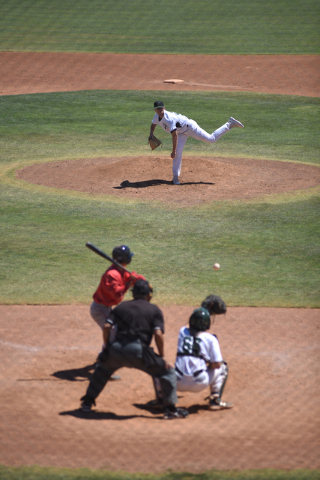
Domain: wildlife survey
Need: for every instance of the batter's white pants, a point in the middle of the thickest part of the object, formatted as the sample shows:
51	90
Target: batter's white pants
212	378
194	131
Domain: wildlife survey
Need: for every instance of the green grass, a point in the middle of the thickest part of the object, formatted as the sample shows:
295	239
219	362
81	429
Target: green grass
268	252
202	27
43	473
268	248
93	123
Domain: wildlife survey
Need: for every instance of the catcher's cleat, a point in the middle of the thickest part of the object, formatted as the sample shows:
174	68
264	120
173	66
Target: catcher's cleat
157	403
170	414
175	180
217	404
86	407
232	122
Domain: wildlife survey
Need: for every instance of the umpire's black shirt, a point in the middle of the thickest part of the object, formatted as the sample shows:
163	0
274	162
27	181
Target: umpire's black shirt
137	319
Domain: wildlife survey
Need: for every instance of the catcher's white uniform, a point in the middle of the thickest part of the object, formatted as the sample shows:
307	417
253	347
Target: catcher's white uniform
192	372
186	128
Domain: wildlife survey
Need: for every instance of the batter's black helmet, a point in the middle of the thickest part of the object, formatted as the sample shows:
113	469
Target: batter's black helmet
200	319
122	254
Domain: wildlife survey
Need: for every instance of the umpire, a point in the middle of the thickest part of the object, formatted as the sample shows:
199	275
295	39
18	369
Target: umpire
136	322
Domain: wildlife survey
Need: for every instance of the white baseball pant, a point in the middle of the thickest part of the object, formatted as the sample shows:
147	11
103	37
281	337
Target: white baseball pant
195	131
212	378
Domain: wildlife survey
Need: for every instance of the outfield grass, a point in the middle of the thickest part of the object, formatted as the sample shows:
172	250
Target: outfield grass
268	249
43	473
206	26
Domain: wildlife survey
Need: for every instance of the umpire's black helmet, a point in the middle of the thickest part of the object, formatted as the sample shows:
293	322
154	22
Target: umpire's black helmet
142	288
200	320
122	254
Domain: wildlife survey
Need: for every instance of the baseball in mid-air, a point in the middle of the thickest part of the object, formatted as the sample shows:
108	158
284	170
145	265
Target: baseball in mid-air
216	266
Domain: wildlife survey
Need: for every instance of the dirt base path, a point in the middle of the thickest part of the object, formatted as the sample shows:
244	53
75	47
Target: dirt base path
47	354
59	72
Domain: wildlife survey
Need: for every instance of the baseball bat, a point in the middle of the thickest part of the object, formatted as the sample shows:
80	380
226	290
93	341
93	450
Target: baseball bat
105	256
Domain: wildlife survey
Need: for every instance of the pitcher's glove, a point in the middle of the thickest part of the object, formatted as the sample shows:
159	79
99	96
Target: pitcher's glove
214	304
154	142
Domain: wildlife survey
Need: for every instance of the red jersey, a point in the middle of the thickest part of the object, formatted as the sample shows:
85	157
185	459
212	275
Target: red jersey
113	285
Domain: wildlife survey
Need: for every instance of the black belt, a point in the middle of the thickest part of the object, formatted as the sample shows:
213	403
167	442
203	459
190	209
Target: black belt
195	374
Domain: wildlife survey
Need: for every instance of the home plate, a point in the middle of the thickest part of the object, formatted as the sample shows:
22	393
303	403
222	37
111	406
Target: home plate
173	80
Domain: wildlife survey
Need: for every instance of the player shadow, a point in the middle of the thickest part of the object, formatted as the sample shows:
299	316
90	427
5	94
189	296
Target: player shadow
153	183
144	184
148	408
197	408
194	409
75	374
94	415
79	374
196	183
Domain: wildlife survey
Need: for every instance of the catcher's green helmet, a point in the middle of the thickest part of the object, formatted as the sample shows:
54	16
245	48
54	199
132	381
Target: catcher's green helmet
200	319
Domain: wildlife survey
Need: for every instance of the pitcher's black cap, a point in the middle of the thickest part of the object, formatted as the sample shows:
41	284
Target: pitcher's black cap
158	104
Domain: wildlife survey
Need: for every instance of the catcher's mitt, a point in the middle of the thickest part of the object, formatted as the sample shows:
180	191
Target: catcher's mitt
154	142
214	304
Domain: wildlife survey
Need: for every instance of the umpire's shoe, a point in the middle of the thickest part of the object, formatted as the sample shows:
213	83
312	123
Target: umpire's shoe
218	404
172	412
157	404
86	404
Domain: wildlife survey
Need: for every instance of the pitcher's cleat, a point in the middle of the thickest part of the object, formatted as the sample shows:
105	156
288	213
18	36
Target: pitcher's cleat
175	180
232	122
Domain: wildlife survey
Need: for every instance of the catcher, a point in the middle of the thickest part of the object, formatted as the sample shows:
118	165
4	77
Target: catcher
181	128
199	362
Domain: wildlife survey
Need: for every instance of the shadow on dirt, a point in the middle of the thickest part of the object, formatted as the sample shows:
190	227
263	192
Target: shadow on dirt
194	409
79	374
75	374
94	415
154	183
144	184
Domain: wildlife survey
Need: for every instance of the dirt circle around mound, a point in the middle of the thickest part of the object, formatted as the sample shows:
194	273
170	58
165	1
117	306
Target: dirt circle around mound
203	179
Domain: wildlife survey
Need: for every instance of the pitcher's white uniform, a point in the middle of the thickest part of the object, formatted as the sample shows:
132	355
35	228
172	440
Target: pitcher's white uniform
186	128
192	372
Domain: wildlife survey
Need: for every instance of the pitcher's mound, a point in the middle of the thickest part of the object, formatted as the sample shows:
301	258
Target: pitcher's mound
203	179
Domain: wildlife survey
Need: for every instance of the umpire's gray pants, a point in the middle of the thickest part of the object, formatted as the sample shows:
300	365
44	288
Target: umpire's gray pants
129	354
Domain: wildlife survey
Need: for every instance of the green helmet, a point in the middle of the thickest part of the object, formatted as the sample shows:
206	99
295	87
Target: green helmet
200	319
